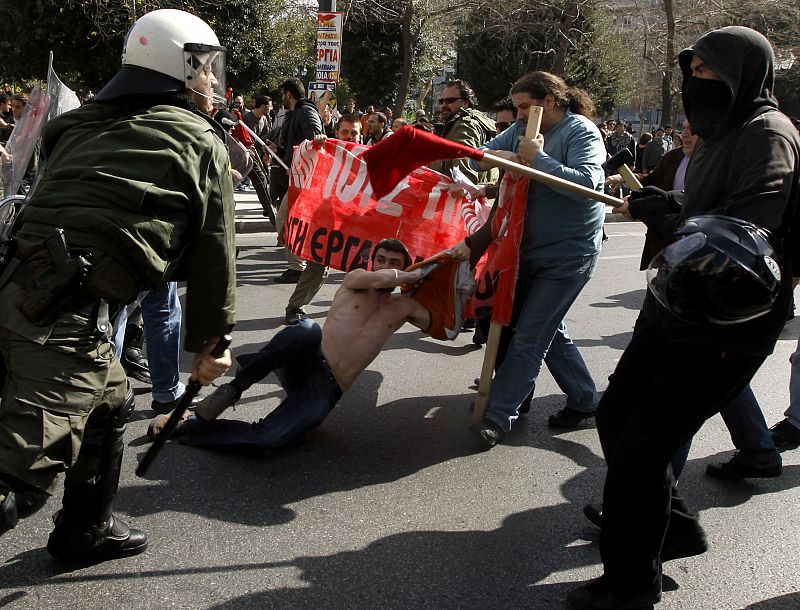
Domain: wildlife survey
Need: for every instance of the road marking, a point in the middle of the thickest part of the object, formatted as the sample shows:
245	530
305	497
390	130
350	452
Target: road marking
618	256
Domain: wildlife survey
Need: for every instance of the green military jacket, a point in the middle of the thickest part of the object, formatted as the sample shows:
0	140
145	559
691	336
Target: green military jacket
148	192
472	128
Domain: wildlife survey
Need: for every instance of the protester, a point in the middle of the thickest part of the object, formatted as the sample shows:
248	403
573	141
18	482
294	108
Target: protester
315	274
675	374
464	124
302	123
314	366
559	250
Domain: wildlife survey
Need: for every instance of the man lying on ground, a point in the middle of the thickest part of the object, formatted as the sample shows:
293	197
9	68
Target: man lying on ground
313	365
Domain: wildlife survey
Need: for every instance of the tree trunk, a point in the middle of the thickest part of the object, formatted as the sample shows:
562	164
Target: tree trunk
408	58
424	91
669	62
568	22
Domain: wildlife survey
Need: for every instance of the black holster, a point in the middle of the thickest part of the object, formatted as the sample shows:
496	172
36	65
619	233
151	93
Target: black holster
43	299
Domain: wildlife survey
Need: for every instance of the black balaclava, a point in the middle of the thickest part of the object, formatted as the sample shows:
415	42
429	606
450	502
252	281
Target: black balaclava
744	61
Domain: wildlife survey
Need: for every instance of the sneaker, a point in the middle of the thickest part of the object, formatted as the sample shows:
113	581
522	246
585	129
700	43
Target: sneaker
290	276
294	316
157	426
569	418
785	435
598	594
489	432
212	406
737	469
167	407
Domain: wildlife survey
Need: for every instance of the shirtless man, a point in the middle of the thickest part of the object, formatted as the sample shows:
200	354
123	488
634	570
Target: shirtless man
314	365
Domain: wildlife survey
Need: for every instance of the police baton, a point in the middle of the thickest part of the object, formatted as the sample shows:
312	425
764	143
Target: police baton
191	392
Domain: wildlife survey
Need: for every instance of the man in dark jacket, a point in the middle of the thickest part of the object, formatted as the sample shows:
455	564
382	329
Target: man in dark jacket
675	375
620	140
302	122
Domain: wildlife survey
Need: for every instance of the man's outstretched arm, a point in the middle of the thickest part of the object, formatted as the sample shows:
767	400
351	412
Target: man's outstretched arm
359	279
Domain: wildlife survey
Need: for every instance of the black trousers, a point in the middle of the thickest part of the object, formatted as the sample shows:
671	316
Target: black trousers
658	398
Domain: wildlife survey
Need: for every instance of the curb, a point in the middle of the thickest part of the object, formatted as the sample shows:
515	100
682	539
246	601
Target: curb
254	226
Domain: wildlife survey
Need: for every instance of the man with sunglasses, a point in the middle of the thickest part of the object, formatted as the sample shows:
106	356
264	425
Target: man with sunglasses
465	125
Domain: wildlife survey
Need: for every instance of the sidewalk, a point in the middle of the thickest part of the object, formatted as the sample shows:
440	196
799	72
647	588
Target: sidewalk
251	219
249	215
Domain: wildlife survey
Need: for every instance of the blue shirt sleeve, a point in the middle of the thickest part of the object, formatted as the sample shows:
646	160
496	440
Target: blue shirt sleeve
584	155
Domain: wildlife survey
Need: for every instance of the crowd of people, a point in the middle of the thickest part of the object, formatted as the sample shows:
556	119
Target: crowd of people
110	230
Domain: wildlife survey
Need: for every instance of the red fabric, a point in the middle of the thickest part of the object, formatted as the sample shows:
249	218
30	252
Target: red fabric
239	132
496	271
391	159
334	217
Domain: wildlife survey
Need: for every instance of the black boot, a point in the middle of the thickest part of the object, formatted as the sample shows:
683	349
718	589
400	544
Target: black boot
133	360
17	501
72	540
85	529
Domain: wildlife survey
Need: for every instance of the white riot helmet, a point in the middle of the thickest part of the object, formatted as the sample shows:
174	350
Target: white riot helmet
167	50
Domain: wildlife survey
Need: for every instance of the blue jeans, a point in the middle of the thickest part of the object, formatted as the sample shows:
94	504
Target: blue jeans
749	433
549	287
311	393
162	312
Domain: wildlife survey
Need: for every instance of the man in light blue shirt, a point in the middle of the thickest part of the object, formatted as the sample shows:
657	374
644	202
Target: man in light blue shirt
560	245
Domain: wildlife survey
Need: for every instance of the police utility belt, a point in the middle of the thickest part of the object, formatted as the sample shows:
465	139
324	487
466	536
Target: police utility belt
58	286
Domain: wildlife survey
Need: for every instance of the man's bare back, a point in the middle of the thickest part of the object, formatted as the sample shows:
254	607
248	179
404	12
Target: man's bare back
364	314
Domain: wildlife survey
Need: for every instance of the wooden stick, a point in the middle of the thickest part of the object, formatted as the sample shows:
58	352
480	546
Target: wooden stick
495	329
553	181
631	181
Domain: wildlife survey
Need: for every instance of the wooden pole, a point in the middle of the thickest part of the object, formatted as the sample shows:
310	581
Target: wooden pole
495	329
631	181
549	180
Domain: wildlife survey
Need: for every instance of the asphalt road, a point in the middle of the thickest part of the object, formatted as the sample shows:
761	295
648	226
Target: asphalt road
392	503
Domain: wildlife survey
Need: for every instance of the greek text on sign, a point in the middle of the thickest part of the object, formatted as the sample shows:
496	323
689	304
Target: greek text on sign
329	46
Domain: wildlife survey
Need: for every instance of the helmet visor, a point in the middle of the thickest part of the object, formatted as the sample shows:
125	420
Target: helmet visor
204	67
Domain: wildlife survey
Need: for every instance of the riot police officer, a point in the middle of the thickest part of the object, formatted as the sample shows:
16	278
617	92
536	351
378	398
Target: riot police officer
136	192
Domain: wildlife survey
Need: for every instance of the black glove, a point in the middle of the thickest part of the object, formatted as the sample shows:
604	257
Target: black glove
651	205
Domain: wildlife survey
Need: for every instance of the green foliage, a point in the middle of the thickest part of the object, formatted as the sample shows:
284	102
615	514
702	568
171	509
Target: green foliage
603	66
496	48
266	39
371	60
493	53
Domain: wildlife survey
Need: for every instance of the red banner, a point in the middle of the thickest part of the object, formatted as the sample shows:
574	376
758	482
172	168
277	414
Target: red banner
496	272
335	219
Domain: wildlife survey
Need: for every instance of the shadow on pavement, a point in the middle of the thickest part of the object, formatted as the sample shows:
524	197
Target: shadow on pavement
790	601
629	300
349	451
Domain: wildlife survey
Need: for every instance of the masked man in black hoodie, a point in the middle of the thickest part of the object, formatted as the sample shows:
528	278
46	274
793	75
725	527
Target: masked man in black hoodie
675	374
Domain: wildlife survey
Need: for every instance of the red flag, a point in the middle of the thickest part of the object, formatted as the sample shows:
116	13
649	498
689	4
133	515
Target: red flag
496	272
393	158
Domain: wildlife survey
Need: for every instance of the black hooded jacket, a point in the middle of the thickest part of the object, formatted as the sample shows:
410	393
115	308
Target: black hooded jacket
748	168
